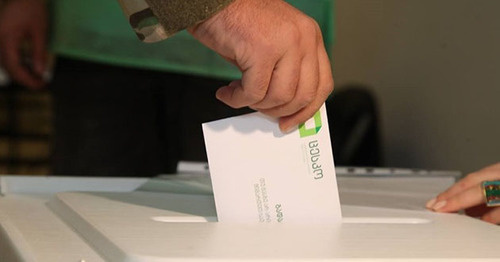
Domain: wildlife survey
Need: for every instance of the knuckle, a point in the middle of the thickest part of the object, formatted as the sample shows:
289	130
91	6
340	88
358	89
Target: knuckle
328	87
307	98
256	94
319	35
293	34
441	196
310	28
282	98
462	185
276	100
316	28
268	50
287	95
309	25
470	179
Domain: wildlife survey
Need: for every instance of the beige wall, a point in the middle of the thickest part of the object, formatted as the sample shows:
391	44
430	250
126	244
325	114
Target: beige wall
434	66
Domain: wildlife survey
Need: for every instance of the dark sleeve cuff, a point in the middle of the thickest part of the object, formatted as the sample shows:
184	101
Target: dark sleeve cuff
155	20
177	15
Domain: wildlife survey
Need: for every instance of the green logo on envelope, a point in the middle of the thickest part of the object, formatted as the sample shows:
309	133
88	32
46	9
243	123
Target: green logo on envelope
305	132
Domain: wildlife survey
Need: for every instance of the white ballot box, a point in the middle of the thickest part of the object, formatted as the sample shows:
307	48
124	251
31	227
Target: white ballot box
173	218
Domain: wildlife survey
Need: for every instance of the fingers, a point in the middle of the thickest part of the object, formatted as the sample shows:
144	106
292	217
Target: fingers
467	182
306	84
39	51
11	59
466	193
251	89
472	196
23	22
324	89
493	216
283	84
462	185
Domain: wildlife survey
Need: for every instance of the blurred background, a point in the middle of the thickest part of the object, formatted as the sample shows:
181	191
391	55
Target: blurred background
423	74
25	130
434	68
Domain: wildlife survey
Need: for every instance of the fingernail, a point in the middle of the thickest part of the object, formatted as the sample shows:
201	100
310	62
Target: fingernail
220	94
430	203
217	94
439	205
287	130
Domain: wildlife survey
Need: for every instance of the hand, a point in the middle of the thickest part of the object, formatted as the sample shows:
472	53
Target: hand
21	21
280	51
467	193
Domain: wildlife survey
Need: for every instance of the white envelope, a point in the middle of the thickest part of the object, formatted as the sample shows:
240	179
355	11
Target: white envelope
260	175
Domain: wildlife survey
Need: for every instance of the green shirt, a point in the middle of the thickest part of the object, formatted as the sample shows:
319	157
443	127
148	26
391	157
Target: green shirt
97	30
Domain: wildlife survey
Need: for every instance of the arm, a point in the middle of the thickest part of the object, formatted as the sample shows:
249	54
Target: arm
280	51
24	23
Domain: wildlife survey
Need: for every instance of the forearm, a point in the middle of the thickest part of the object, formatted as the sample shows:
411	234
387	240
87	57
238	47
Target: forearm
155	20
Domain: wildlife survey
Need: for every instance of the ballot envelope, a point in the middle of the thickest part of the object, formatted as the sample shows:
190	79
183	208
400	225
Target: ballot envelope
173	218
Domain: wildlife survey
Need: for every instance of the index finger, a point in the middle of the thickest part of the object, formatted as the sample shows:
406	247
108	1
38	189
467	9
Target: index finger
471	197
468	182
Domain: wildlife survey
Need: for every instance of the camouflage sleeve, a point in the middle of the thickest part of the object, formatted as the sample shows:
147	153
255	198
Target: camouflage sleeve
155	20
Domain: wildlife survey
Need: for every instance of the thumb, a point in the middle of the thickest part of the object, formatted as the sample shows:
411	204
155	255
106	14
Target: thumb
252	87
